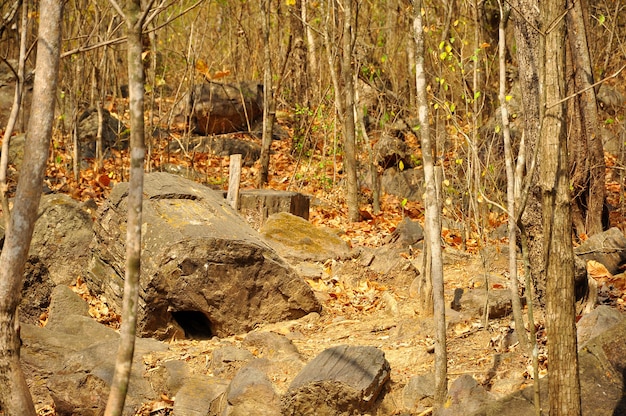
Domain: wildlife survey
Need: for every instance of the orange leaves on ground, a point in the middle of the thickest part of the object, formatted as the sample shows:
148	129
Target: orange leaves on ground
363	297
610	287
98	309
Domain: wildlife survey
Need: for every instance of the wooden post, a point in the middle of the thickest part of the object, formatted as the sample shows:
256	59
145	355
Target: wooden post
234	178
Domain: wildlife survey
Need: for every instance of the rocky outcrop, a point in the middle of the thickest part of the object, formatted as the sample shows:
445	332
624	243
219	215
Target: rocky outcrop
71	360
205	272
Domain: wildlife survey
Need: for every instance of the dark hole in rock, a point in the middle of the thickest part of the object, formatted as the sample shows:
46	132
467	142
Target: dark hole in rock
195	324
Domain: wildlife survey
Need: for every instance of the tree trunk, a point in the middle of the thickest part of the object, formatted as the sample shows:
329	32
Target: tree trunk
526	15
433	214
563	380
268	95
585	142
15	109
342	77
349	125
15	398
510	183
134	17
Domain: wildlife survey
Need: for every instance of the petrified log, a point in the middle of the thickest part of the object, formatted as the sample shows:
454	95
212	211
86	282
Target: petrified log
342	380
205	272
217	108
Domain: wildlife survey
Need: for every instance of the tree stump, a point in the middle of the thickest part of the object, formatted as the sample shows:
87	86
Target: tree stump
205	272
256	205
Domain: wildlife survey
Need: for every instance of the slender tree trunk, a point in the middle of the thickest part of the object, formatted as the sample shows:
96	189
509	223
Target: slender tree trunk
342	77
15	399
268	96
15	109
134	17
510	184
433	213
563	378
526	15
589	169
349	124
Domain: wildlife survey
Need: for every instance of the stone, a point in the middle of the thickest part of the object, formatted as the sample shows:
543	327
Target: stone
418	393
296	239
465	396
596	322
217	108
408	183
341	380
227	360
221	146
198	394
271	345
73	359
205	272
608	248
64	230
36	291
115	135
472	302
251	393
407	233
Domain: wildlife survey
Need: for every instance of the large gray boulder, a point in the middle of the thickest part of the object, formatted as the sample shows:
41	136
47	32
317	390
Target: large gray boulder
70	362
63	232
205	272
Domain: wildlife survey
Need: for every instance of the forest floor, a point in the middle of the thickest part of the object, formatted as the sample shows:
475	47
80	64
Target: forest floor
357	309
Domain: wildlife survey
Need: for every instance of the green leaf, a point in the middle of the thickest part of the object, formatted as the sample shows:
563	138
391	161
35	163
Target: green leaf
601	19
400	166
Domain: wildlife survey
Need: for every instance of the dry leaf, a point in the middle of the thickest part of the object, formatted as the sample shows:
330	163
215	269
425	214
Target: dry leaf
597	270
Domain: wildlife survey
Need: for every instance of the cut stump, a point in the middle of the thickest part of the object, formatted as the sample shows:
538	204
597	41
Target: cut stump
256	205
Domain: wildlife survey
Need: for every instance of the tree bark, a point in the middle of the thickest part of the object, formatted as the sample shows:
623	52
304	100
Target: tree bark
268	95
15	399
15	109
349	125
526	16
432	214
342	76
134	17
563	379
510	184
585	145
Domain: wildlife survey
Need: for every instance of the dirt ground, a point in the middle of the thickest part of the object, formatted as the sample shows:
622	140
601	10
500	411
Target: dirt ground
363	308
